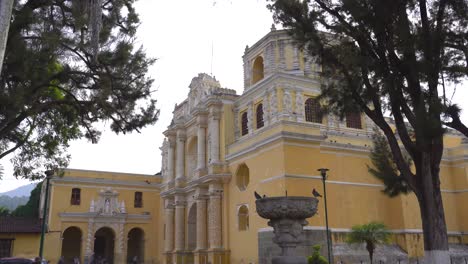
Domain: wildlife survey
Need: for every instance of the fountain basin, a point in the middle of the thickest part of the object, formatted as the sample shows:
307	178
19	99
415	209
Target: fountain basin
290	207
287	217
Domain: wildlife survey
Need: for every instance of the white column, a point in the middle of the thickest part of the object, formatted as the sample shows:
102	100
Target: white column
169	232
214	216
201	221
214	134
180	145
201	149
170	158
179	224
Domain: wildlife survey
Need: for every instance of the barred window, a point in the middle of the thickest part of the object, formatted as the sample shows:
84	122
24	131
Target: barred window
353	120
138	203
244	124
313	111
5	248
75	196
260	116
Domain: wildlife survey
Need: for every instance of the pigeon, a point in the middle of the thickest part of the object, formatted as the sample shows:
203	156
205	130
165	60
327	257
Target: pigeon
257	196
315	193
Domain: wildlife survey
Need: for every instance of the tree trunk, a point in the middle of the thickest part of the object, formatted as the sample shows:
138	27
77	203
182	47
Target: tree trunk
370	248
6	7
432	213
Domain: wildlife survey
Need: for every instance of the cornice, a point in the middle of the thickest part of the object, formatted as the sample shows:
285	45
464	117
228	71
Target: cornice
282	135
193	184
96	216
107	182
275	79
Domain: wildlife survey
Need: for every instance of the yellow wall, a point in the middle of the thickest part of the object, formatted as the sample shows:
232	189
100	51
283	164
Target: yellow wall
25	245
91	183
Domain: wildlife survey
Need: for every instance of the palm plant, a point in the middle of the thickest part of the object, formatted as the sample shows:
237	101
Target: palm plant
372	234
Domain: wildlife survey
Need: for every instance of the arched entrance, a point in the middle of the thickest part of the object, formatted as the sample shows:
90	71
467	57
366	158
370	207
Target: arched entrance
192	228
136	245
71	244
104	245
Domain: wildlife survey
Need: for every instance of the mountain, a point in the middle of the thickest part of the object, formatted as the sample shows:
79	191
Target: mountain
11	203
24	190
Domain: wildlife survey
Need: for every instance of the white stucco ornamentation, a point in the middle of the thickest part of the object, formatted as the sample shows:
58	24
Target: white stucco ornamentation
92	207
250	119
296	58
299	106
287	102
273	105
266	109
214	216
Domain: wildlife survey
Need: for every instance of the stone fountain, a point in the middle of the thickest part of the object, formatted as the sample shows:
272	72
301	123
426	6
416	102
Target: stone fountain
287	217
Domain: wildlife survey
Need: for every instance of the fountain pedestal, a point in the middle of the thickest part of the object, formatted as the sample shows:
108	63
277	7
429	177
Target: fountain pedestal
287	217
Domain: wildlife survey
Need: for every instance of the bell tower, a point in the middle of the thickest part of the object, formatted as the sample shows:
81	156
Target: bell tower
276	53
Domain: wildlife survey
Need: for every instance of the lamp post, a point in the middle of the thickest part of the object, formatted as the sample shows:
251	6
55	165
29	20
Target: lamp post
323	173
49	174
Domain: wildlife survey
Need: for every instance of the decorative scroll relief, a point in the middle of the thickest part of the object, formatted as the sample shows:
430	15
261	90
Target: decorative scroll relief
90	238
273	104
287	102
107	204
296	58
266	110
200	88
250	118
282	62
164	161
236	123
299	106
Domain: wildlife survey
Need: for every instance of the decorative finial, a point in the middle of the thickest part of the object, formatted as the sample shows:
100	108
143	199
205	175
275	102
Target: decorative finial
273	28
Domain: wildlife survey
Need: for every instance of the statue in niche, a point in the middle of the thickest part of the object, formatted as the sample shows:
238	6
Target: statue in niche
107	206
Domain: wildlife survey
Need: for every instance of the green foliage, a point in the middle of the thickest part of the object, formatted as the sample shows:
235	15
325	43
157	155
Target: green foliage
55	88
11	203
384	167
31	208
398	58
316	257
371	234
4	211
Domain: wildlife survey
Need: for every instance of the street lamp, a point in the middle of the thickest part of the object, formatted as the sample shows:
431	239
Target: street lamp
49	174
323	173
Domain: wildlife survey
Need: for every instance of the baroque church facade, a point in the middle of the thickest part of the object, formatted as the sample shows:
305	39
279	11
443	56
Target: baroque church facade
218	150
221	147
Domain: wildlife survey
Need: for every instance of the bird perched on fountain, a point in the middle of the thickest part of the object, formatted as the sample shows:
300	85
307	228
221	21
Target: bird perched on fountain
315	193
257	196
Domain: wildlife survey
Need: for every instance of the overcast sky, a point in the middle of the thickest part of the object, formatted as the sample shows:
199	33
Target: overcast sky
183	35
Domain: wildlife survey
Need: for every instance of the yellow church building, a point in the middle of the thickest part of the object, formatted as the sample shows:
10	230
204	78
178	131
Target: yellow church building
219	149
